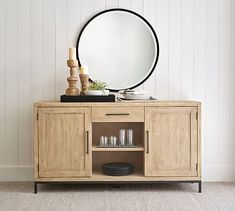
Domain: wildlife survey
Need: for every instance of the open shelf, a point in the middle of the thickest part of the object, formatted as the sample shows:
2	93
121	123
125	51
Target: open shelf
112	129
134	157
117	149
98	174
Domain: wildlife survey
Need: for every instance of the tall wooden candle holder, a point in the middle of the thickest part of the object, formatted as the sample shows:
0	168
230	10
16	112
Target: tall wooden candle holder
72	90
84	78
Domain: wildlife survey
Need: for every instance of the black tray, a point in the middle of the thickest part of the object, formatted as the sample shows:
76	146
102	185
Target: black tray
88	98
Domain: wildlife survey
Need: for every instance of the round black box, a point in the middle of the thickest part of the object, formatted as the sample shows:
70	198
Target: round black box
118	169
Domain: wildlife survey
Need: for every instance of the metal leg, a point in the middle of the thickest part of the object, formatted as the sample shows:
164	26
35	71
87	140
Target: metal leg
199	186
35	187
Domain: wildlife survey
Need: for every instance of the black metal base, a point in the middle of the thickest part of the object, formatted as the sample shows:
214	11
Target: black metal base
116	183
200	186
35	187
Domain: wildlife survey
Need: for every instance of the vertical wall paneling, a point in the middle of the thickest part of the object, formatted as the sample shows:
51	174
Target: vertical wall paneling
149	14
49	46
224	86
24	83
162	30
199	47
74	21
98	5
87	11
232	116
175	48
12	82
199	77
61	49
187	37
111	4
126	4
138	7
36	55
36	51
212	82
74	26
2	83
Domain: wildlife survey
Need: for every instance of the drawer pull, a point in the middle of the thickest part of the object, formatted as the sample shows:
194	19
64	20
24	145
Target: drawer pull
87	142
147	141
117	114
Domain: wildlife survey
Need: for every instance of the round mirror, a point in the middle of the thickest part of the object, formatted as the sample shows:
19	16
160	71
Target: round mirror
119	47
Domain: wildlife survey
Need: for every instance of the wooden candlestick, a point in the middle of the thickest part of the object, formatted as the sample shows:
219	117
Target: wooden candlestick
72	90
84	78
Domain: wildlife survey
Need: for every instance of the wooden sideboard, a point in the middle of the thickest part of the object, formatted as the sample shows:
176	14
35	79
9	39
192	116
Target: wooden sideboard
167	134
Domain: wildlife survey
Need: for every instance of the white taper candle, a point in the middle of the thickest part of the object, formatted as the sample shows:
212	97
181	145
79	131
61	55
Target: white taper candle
72	54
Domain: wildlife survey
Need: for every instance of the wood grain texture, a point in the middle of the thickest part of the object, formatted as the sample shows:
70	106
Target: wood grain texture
118	114
120	104
172	142
63	142
128	149
100	158
99	177
35	141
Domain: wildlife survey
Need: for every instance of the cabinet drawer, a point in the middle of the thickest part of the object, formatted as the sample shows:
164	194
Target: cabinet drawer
118	114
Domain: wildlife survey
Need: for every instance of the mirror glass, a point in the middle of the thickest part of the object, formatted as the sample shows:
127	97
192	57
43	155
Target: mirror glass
119	47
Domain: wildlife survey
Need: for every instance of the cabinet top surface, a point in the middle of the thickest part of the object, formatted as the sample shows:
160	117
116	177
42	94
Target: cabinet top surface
125	103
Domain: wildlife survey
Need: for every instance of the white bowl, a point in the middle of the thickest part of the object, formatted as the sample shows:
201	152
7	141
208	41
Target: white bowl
97	92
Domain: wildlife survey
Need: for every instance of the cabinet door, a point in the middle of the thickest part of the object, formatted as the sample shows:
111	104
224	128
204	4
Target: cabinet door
64	142
171	142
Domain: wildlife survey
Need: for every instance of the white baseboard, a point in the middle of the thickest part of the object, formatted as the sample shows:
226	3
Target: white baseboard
210	173
218	173
16	173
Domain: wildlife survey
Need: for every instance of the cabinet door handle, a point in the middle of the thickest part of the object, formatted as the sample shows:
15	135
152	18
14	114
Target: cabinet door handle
147	151
117	114
87	142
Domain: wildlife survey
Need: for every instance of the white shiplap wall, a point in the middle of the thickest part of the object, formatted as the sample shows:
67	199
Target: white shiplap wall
197	54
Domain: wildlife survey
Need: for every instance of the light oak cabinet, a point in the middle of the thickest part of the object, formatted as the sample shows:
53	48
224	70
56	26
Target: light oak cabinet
64	142
172	141
167	135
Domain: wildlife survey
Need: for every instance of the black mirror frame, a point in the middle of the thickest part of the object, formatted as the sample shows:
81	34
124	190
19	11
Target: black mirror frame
138	15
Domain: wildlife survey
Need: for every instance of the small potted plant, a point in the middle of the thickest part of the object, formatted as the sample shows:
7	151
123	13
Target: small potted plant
98	88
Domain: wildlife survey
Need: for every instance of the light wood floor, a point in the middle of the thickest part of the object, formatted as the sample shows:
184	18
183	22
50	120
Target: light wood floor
19	196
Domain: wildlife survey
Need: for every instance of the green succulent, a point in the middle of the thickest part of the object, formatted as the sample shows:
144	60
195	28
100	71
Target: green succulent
98	85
